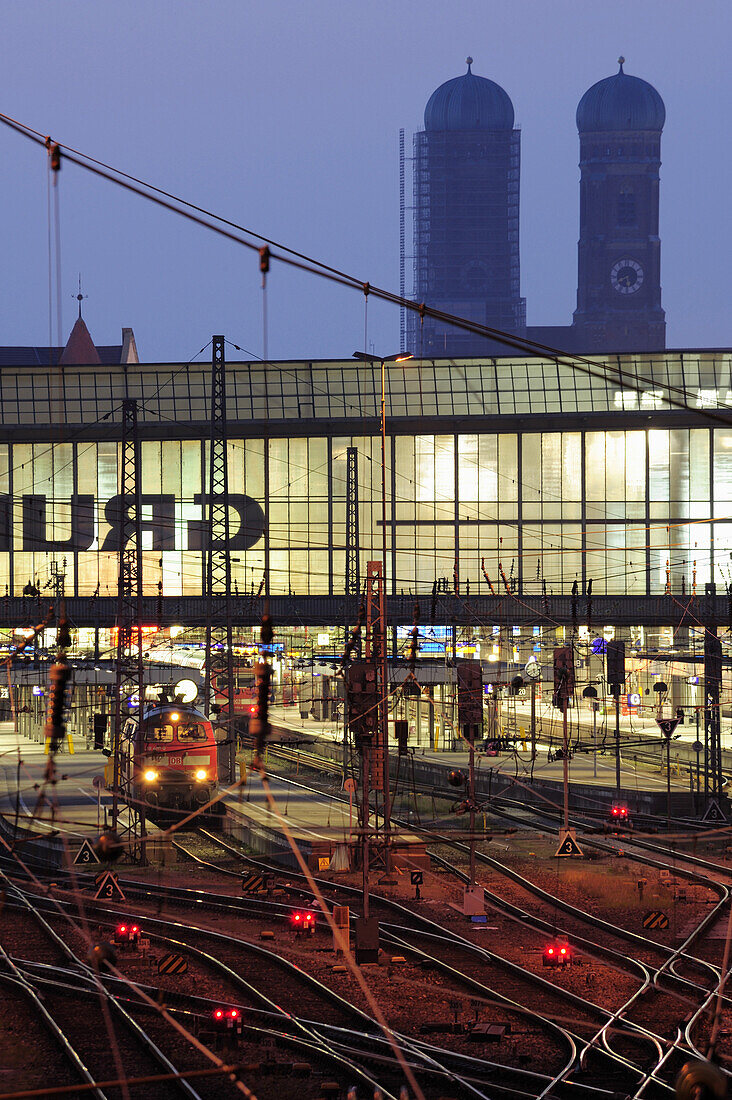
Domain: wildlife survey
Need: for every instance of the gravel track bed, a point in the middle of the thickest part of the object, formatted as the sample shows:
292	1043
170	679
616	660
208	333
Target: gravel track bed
30	1056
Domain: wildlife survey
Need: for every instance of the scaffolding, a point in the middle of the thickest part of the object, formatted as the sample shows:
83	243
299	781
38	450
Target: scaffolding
466	236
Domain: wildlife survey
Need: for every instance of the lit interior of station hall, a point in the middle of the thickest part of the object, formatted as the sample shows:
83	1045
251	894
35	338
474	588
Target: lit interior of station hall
529	503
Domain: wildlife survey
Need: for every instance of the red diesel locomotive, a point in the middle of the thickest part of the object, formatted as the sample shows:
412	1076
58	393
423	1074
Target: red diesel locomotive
168	760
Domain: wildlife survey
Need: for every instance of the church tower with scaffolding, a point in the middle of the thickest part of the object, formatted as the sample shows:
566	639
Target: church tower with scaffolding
466	217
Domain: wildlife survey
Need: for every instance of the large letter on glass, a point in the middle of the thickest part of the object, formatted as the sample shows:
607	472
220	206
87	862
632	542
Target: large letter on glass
249	532
162	523
34	524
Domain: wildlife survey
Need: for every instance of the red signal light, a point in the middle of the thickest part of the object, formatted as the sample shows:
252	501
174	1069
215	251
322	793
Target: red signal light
297	917
122	928
550	950
563	951
135	928
309	916
218	1014
234	1014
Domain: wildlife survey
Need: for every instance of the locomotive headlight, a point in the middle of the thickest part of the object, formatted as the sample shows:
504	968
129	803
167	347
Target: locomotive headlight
150	775
201	773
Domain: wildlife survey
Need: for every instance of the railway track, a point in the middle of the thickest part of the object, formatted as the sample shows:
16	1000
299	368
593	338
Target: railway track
299	996
668	972
507	1074
118	1046
601	1041
555	1002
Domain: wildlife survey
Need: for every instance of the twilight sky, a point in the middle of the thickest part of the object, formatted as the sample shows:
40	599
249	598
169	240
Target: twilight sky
284	116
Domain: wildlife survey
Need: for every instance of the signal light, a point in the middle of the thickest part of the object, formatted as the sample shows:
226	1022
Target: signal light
227	1023
557	955
303	922
127	934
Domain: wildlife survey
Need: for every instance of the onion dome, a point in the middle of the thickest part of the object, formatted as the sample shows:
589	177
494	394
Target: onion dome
620	102
469	102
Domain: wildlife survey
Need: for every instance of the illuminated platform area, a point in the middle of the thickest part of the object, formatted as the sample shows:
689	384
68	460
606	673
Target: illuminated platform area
529	503
324	831
51	821
508	770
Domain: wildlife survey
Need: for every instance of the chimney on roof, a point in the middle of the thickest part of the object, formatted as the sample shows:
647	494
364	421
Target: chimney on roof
129	347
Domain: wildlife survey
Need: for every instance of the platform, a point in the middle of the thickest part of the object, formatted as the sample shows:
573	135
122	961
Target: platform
53	820
591	778
324	830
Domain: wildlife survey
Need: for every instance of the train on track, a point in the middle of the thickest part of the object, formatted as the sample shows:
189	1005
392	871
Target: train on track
168	760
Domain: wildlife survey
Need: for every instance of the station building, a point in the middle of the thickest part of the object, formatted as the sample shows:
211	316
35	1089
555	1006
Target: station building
527	500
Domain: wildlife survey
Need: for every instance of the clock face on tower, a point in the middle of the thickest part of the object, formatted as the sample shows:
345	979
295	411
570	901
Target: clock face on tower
626	276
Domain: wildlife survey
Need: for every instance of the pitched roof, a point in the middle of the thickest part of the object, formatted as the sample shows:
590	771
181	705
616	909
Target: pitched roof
80	349
106	354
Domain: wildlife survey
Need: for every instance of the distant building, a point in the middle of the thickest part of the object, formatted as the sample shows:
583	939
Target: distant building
79	350
620	120
466	218
466	234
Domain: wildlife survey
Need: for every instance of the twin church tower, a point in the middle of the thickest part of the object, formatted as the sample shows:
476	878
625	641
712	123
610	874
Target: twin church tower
466	220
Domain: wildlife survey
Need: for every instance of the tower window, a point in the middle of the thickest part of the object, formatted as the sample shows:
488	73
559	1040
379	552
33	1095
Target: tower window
626	208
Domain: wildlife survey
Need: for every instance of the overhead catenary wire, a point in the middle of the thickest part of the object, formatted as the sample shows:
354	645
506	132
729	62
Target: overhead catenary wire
232	231
387	297
301	260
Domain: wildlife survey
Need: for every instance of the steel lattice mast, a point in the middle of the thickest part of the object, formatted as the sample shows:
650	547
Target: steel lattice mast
130	678
353	579
219	683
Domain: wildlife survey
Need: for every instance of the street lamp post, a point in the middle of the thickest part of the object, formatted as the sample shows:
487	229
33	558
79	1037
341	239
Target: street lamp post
399	357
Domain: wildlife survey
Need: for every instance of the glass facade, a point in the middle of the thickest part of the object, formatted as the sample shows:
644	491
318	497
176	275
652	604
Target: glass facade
473	490
323	391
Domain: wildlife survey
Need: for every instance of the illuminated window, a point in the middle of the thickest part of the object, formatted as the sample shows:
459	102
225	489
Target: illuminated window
159	733
191	733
